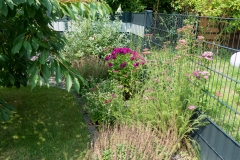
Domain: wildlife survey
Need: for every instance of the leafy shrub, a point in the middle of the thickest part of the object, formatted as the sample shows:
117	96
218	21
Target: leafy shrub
104	102
94	37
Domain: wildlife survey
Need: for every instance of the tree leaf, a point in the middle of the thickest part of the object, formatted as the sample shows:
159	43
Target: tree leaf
58	77
1	4
33	78
68	11
3	57
35	43
93	9
8	111
4	9
45	73
10	4
4	115
47	4
31	11
32	67
33	81
76	84
43	57
17	46
68	82
40	80
19	38
11	78
44	44
30	2
28	47
74	8
9	106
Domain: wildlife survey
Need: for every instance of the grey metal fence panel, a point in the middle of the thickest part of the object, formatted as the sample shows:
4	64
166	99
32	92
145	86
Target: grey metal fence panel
220	138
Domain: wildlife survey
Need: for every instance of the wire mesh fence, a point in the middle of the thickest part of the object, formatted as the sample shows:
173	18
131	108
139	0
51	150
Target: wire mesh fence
221	95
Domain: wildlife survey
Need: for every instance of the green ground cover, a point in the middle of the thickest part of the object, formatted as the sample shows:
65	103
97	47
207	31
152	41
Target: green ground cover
48	125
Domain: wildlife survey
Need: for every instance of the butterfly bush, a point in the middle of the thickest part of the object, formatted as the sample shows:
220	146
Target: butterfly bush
125	66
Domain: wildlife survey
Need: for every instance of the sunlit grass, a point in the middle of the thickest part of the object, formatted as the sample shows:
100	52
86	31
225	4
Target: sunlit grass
47	125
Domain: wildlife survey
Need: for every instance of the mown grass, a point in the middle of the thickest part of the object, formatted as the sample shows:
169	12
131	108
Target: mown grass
48	125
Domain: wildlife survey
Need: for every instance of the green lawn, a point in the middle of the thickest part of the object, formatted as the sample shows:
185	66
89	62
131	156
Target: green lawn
48	125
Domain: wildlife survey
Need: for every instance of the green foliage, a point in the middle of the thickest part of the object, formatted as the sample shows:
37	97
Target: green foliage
93	37
104	102
141	5
30	48
216	8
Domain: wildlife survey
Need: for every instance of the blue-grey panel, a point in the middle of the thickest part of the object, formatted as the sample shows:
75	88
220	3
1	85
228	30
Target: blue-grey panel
216	144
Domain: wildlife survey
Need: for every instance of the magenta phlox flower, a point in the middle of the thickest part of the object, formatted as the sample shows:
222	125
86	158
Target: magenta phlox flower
110	64
113	56
136	64
123	65
132	58
143	62
191	107
108	57
135	53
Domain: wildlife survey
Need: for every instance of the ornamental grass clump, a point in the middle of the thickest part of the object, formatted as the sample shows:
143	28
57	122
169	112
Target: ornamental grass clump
131	142
125	66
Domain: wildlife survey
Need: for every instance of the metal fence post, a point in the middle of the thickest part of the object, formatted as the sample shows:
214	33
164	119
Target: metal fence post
147	24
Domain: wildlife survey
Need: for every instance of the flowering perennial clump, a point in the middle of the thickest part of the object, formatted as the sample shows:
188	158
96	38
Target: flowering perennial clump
124	65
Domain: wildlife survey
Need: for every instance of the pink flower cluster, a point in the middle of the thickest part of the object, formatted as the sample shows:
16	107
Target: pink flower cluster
207	55
124	51
117	51
199	74
182	44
